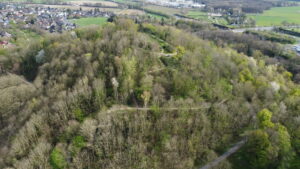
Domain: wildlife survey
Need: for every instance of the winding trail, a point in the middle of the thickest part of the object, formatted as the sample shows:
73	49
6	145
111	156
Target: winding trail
231	151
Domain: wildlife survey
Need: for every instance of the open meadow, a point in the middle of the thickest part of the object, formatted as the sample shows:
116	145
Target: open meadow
102	20
296	29
90	21
277	16
205	16
103	3
166	10
131	12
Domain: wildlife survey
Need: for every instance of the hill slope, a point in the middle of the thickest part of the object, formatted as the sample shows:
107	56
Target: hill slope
143	96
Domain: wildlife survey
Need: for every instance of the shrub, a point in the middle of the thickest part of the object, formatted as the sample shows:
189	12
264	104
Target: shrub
57	159
78	142
79	115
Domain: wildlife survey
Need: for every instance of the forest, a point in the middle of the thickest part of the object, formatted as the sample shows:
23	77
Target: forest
147	95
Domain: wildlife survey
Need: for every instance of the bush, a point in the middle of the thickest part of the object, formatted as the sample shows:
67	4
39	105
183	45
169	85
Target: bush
78	142
79	115
57	159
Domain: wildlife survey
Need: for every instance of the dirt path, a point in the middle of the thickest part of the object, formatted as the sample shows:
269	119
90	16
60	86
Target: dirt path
124	108
231	151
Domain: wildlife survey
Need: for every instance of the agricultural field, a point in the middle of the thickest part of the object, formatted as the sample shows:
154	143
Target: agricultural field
155	16
103	3
197	14
131	12
278	16
84	8
90	21
166	10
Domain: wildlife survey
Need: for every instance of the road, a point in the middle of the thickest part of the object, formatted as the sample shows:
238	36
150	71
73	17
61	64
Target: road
270	28
266	28
241	30
253	29
223	157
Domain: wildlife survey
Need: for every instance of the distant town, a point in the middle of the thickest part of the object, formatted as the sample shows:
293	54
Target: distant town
59	17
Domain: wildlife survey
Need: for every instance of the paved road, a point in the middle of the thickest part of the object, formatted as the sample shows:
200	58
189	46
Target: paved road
267	28
231	151
241	30
288	47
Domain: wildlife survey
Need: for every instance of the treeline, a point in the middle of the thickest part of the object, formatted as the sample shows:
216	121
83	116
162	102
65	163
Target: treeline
289	32
272	36
248	44
69	110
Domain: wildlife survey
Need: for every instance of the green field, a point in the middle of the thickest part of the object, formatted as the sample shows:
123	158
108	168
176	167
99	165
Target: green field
90	21
204	16
197	14
276	16
166	10
155	16
296	29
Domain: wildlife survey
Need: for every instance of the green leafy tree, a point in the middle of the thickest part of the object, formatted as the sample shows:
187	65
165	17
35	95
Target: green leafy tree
246	75
257	150
286	153
180	51
296	140
264	118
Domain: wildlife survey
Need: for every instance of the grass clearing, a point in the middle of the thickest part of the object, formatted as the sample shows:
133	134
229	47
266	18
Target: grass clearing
295	29
90	21
276	16
166	10
155	16
204	16
131	12
103	3
197	14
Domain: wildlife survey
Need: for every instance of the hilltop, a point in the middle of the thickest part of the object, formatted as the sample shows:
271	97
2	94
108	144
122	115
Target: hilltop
129	95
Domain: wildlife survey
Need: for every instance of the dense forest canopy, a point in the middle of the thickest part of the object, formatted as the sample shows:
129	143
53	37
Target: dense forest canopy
130	95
